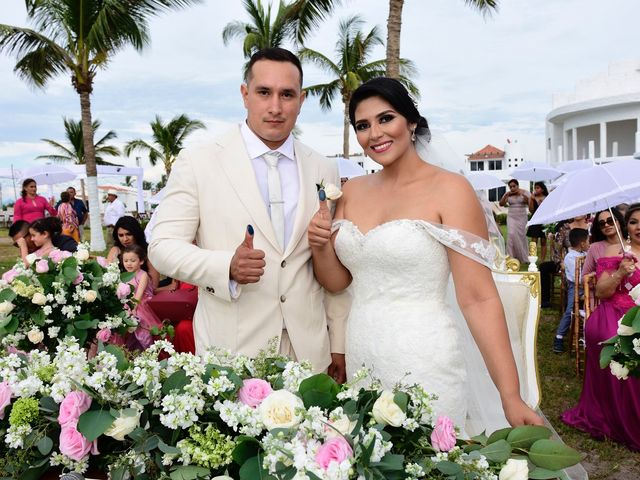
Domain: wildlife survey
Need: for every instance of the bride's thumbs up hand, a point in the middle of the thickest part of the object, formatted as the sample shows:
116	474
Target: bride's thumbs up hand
319	231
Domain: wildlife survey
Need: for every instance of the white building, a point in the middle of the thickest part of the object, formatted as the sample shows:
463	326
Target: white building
600	120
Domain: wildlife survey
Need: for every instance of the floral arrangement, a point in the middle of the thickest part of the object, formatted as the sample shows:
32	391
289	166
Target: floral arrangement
621	353
190	417
64	294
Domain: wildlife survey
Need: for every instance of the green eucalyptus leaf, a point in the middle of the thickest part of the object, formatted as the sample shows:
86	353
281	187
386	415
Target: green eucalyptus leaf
94	423
501	434
525	435
45	444
498	451
553	455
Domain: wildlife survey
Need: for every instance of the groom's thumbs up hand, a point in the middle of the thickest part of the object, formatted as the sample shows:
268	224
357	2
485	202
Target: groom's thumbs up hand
319	231
247	264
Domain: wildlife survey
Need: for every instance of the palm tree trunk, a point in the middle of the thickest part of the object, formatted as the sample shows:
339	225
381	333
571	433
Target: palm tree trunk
394	25
97	238
345	133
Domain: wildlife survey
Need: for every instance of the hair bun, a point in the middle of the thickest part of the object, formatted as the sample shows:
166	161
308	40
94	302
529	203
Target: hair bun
422	128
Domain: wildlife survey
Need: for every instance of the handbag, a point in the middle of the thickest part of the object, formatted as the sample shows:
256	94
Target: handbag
174	306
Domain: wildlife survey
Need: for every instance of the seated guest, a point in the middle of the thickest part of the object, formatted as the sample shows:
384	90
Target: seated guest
126	232
19	233
579	240
603	234
608	407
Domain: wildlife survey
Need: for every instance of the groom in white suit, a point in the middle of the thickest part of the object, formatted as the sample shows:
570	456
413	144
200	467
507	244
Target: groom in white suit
247	199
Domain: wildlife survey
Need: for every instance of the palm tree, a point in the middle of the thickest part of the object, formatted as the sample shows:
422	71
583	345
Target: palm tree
76	37
74	151
168	140
293	21
394	25
352	68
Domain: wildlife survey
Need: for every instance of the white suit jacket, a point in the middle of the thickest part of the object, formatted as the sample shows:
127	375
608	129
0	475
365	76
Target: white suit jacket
212	195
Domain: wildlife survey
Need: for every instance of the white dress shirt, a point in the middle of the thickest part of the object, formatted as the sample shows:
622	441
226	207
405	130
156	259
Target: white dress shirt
113	211
287	168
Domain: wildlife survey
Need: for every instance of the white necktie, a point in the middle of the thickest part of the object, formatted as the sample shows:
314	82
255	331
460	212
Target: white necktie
276	203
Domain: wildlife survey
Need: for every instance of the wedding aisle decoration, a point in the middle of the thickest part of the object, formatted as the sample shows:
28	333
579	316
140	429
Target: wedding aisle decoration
64	294
621	353
167	415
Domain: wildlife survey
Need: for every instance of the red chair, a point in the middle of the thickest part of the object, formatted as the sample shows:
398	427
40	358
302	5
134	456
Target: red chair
178	307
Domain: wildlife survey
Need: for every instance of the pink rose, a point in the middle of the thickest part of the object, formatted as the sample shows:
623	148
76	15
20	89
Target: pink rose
73	405
104	335
102	262
78	279
123	290
42	266
9	275
74	445
443	437
5	397
254	391
56	256
333	450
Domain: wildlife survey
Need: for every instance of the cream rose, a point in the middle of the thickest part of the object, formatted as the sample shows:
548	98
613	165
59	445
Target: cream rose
38	299
278	410
386	411
635	294
32	257
339	427
90	296
35	336
82	254
624	330
6	307
332	192
123	426
514	470
618	370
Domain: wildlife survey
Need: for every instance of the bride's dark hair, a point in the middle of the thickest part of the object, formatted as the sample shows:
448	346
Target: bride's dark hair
392	91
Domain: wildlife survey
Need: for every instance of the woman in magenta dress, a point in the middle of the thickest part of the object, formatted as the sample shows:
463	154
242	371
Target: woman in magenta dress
608	407
133	257
31	206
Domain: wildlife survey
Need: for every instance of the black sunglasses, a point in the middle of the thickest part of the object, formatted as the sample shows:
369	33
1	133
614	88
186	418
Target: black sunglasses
609	221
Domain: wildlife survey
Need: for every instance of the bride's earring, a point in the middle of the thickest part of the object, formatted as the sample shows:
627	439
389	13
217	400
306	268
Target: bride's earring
413	135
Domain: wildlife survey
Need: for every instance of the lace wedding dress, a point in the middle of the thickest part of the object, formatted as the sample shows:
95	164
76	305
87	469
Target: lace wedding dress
402	320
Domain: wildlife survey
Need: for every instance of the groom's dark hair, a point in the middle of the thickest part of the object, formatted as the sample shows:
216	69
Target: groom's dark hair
275	54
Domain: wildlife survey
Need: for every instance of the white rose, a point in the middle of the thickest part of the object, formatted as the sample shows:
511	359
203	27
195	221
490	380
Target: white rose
222	477
278	410
332	192
620	371
341	426
635	294
82	254
90	296
39	299
123	426
35	336
636	345
386	411
624	330
32	257
6	307
514	470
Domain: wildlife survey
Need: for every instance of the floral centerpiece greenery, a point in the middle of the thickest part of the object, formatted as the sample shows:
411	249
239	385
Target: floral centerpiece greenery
64	294
621	353
197	417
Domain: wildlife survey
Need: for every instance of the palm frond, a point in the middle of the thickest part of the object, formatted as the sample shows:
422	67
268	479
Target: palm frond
319	59
306	15
486	7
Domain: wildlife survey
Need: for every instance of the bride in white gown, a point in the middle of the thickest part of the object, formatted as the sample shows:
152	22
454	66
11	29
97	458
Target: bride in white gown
397	236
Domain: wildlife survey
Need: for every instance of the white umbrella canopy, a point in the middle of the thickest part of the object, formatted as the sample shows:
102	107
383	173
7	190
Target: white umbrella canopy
535	172
49	174
484	181
574	165
349	168
591	190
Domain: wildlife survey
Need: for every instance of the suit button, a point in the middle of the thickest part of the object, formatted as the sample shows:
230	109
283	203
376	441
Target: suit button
283	298
283	264
210	290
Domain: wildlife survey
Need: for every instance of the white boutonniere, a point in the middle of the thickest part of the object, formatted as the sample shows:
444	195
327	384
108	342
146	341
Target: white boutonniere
331	191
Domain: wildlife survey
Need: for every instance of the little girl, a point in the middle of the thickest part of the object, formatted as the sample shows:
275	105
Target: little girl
133	258
42	233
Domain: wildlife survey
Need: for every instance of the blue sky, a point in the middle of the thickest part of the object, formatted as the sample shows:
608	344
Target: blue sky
483	80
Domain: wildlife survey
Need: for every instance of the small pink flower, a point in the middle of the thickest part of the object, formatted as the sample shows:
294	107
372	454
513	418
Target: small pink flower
5	397
9	275
78	279
42	266
56	256
123	290
73	405
443	437
74	445
104	335
11	349
254	391
102	262
333	450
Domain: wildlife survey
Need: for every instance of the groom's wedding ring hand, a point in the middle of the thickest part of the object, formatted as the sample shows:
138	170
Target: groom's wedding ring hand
319	231
247	264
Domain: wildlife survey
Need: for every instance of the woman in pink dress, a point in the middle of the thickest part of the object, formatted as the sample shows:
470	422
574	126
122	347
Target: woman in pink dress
133	257
608	407
31	206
